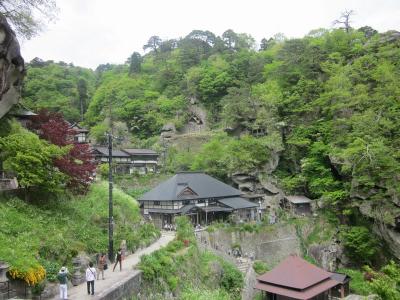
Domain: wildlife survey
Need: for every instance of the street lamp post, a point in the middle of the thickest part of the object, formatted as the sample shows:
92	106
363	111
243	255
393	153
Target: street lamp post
110	201
259	210
206	211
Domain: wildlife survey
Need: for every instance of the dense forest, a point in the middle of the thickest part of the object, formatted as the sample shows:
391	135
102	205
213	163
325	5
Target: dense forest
316	116
327	103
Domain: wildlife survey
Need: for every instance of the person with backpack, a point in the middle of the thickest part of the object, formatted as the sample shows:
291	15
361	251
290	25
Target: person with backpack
62	277
90	278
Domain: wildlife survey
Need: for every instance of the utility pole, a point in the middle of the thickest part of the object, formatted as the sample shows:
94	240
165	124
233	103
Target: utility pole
110	186
110	201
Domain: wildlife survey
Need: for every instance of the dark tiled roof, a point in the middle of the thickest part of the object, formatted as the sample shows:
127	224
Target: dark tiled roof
296	273
140	151
297	199
340	278
115	153
215	208
200	183
237	203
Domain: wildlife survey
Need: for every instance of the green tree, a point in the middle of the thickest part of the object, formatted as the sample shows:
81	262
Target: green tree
360	244
31	159
27	16
135	63
153	43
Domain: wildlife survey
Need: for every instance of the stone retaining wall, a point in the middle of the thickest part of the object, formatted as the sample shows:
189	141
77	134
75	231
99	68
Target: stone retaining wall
123	289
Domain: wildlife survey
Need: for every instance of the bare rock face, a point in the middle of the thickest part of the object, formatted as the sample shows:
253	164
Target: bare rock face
12	68
391	237
328	255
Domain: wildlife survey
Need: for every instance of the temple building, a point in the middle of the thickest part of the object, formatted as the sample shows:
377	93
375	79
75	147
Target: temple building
195	194
295	278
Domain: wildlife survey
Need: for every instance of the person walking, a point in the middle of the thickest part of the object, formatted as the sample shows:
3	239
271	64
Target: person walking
101	265
118	259
62	278
90	278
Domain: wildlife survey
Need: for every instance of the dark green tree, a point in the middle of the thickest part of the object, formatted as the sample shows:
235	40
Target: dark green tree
135	63
153	43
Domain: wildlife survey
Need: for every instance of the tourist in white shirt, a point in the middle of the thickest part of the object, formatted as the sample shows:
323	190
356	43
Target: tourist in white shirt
90	277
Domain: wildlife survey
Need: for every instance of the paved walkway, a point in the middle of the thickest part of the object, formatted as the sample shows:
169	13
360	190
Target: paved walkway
113	278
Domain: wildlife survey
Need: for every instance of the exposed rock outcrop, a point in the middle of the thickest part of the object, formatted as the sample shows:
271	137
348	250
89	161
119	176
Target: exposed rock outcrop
12	68
328	255
197	119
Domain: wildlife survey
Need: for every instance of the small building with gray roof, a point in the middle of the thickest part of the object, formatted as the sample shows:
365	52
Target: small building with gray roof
298	204
195	194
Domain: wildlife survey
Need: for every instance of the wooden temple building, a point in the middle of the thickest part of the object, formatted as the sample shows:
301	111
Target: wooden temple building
295	278
195	194
298	204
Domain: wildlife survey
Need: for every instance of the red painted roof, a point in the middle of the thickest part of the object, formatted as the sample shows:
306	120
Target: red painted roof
298	294
296	273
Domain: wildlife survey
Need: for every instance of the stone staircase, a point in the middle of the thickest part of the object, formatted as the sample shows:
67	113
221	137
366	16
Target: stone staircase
243	265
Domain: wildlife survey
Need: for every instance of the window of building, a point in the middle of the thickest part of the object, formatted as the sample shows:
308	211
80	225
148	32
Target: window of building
157	203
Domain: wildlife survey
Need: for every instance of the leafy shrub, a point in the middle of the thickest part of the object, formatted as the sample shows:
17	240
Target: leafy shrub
204	294
232	280
51	268
386	283
358	285
184	229
359	243
260	267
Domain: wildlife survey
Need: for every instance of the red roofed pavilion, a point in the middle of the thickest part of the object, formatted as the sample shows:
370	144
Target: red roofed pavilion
295	278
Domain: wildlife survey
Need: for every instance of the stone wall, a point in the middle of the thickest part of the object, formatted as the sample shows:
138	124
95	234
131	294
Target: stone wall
125	289
271	245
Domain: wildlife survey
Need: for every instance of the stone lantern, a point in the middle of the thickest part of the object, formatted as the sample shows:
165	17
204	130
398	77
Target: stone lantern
4	285
3	271
77	275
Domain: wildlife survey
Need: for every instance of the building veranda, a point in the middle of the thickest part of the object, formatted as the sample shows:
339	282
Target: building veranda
195	194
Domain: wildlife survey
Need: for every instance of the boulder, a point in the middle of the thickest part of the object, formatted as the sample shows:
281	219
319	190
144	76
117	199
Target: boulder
12	68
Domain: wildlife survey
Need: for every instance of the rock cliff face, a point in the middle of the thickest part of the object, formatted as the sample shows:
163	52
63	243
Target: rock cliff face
12	68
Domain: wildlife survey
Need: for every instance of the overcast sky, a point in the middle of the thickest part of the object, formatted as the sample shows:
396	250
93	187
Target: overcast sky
91	32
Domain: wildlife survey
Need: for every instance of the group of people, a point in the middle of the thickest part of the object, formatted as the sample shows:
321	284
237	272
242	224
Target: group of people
91	273
169	227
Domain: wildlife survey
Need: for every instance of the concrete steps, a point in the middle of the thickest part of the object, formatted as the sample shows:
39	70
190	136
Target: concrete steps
243	265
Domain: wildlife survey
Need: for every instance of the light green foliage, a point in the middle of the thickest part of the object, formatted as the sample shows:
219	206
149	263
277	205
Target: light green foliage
260	267
384	283
201	294
358	284
52	233
184	229
103	170
387	283
224	155
31	159
359	243
58	87
187	272
328	103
